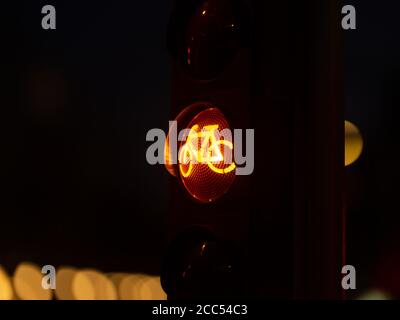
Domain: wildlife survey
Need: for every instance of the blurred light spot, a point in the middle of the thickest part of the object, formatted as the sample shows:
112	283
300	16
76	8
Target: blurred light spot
65	277
353	143
82	287
141	287
116	279
93	285
151	289
374	294
27	282
6	290
129	287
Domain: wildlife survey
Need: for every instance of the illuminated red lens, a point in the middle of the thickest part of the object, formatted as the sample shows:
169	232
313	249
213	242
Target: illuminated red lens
205	157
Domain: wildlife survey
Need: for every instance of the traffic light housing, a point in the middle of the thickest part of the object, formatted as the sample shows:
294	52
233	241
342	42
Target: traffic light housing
275	68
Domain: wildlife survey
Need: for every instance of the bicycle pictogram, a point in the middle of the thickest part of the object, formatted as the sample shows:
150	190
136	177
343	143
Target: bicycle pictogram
203	147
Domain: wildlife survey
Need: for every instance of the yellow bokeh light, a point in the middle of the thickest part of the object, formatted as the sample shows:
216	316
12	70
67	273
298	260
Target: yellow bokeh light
65	277
354	143
75	284
141	287
375	294
151	289
6	290
93	285
116	279
27	282
129	287
83	287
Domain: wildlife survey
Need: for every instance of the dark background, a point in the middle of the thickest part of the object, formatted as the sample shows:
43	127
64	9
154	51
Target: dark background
372	102
77	102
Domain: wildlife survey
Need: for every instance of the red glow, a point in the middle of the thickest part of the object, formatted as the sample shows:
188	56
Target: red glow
207	182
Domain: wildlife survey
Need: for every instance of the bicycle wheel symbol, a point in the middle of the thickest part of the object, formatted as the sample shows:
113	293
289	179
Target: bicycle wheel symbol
203	147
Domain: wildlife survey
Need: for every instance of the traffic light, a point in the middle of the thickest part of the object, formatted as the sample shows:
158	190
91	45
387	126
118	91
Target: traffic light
273	68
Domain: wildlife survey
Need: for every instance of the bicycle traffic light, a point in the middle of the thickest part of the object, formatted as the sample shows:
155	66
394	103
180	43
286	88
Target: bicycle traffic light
276	230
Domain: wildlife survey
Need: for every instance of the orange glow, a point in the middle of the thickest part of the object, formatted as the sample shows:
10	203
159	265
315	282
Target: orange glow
208	153
206	165
93	285
27	283
65	277
6	290
354	143
141	287
203	161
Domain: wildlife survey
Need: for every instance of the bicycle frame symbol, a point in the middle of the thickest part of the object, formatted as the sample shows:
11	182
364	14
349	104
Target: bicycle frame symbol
209	152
